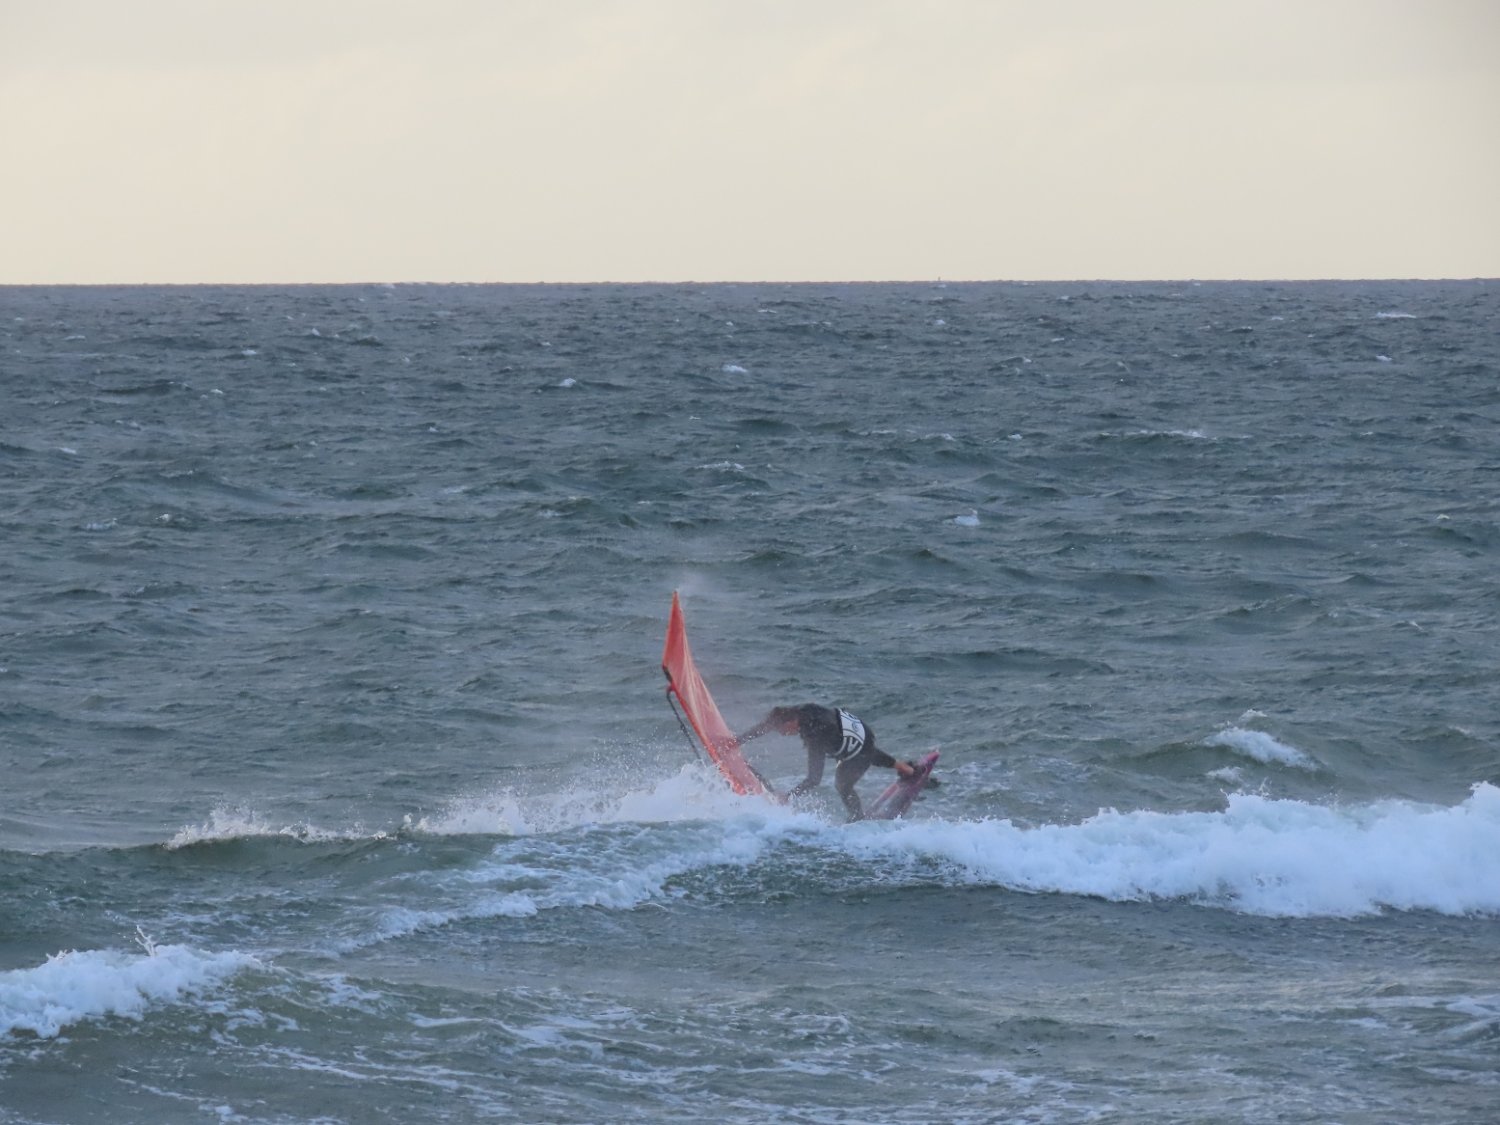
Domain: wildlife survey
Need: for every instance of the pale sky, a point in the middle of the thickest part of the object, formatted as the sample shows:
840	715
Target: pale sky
744	140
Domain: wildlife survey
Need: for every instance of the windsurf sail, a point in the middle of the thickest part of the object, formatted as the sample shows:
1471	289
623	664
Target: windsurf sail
687	686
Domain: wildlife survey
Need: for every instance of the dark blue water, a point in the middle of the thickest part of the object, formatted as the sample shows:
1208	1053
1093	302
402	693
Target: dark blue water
342	785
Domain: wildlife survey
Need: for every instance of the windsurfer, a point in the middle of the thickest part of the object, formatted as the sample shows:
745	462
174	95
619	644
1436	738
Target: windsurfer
830	733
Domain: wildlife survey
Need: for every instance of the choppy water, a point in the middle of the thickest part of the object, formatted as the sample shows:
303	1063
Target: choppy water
340	784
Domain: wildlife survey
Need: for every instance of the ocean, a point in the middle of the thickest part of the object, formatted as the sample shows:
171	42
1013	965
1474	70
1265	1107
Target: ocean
341	784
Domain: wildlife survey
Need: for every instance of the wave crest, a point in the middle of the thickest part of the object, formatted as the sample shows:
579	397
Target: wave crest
71	987
1281	858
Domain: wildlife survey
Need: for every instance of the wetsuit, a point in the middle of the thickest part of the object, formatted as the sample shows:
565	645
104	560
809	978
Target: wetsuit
829	733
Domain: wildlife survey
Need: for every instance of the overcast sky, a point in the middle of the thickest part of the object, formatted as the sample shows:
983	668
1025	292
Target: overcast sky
627	140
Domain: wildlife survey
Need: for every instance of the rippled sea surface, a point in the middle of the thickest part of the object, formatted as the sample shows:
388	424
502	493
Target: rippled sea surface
340	783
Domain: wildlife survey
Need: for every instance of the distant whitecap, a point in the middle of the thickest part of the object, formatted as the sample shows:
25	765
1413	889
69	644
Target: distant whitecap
568	383
1262	747
734	369
970	520
1189	435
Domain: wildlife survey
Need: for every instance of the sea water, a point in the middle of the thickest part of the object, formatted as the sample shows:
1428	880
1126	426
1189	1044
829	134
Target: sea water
341	784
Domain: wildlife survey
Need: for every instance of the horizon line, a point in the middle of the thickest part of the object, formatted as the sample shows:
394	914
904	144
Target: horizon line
386	283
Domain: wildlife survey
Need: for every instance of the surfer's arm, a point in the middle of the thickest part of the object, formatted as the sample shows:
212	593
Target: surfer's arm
814	776
756	731
879	757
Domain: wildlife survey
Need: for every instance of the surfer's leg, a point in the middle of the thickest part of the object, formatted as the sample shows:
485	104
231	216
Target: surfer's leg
844	780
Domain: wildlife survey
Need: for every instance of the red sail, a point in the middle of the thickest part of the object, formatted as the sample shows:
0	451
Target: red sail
692	693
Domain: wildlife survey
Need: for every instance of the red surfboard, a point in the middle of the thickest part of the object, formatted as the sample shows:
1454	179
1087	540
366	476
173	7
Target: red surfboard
900	794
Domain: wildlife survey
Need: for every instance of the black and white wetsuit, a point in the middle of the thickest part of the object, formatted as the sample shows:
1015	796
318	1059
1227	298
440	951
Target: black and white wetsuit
828	732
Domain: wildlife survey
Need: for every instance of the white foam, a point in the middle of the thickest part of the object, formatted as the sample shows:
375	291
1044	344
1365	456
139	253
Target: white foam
1483	1013
559	867
970	520
695	792
1395	316
489	815
241	823
734	369
1261	856
1262	747
71	987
